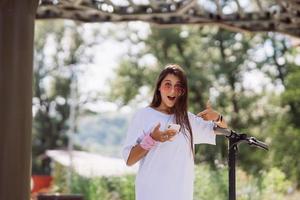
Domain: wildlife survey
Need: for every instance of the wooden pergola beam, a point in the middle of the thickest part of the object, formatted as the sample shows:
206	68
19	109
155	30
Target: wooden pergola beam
16	58
178	12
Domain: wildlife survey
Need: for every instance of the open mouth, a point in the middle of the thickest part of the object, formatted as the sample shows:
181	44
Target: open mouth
171	98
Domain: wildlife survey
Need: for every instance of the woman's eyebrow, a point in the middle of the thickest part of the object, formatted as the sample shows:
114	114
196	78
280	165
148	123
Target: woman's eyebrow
167	80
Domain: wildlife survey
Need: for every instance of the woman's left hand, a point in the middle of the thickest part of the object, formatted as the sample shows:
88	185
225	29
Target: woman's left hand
209	114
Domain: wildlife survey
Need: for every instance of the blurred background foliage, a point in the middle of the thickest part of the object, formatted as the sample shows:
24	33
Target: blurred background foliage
253	79
209	184
217	62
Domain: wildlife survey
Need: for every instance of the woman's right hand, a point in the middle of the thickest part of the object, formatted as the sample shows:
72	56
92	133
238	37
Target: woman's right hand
162	136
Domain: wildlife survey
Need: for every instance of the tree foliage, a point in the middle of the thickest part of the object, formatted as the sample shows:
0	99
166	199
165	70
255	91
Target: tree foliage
217	63
59	49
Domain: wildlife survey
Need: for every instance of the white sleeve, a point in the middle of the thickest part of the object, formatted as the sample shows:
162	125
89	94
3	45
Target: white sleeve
203	131
134	132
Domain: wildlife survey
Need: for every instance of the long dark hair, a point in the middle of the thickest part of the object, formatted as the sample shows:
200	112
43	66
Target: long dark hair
181	105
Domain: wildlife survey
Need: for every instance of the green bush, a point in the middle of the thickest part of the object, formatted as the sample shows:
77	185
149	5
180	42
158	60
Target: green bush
110	188
209	184
91	189
274	185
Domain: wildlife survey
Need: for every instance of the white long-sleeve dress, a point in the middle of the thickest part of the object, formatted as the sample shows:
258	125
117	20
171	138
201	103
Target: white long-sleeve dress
167	171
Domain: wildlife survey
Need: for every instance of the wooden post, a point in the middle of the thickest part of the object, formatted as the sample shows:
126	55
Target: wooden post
16	65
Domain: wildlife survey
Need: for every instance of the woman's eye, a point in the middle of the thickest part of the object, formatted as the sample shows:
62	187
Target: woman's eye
168	85
178	87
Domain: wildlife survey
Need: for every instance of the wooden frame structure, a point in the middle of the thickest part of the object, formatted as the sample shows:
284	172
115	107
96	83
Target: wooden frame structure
16	54
250	15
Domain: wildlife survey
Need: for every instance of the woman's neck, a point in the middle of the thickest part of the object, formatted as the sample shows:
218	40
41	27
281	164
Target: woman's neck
164	109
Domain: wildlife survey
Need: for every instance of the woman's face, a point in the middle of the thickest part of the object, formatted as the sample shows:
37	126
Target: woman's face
170	90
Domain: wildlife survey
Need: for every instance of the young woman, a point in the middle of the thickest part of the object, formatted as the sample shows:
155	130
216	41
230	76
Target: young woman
166	170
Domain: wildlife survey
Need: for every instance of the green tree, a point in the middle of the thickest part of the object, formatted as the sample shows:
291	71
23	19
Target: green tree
214	59
282	126
59	49
217	62
284	129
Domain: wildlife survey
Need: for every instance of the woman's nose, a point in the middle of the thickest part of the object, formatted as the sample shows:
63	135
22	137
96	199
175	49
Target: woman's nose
172	90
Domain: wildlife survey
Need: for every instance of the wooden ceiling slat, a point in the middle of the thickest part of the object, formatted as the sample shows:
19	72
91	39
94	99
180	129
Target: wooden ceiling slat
282	16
